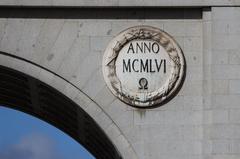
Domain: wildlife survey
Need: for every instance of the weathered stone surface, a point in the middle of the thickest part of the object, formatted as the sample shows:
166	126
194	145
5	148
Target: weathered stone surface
200	122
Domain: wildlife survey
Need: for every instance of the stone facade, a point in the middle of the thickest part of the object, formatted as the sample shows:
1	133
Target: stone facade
200	122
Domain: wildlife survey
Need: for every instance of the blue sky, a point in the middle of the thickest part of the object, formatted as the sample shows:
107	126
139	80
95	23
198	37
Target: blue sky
25	137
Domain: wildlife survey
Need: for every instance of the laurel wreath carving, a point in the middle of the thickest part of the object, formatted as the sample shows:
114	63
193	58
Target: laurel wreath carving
144	33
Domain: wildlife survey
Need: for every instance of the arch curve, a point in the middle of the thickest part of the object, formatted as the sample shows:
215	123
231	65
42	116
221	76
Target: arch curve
30	95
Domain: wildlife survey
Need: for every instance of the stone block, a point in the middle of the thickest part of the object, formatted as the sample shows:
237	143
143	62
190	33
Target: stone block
226	72
234	116
82	75
175	104
120	25
234	86
225	101
234	147
134	134
103	120
224	156
180	42
193	58
220	86
225	41
50	31
94	28
225	131
194	73
62	46
191	88
225	13
148	117
30	32
192	132
173	147
153	133
125	119
220	146
94	84
99	43
3	25
113	131
93	110
220	116
105	94
12	36
220	57
76	55
116	109
193	28
175	28
234	56
193	103
193	44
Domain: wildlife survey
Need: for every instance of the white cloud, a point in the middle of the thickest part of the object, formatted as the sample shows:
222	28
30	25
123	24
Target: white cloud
34	146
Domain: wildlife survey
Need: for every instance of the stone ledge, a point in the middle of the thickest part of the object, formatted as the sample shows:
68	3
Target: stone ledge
117	3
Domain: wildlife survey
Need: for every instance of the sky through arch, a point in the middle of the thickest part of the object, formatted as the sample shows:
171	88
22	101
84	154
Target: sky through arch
23	136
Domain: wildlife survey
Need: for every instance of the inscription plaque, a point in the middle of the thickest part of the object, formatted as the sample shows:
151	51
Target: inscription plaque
143	66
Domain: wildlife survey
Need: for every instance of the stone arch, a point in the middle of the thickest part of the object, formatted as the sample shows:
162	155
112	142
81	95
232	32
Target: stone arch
28	88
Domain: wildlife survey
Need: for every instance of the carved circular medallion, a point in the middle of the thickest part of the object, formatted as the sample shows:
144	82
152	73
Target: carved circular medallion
143	66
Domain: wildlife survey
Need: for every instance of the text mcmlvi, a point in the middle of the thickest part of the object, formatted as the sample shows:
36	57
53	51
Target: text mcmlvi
147	65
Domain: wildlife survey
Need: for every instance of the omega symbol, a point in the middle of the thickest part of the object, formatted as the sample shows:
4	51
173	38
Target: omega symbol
143	83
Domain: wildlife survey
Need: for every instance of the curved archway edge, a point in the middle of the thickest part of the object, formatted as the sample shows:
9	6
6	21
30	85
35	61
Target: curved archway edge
71	110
